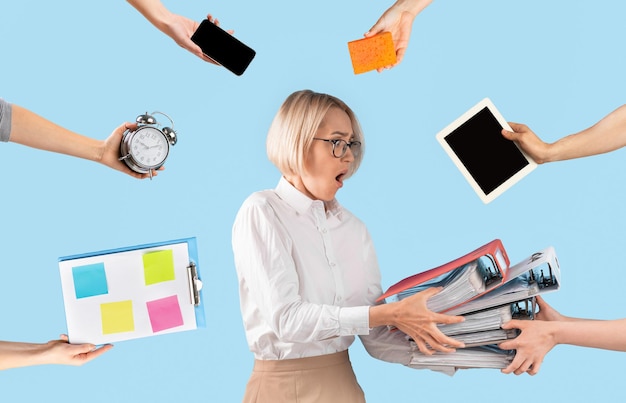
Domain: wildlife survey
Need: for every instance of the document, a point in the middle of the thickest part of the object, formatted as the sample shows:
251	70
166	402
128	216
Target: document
464	358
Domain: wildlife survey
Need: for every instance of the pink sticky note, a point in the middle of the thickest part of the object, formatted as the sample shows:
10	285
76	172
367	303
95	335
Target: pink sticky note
164	313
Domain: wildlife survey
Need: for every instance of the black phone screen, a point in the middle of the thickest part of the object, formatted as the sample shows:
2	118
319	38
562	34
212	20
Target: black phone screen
490	158
222	47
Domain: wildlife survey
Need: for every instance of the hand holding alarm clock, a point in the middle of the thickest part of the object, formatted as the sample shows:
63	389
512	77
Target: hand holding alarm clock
146	148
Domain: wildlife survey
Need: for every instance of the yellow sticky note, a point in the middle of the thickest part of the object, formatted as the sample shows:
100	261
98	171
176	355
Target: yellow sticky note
117	317
158	266
372	53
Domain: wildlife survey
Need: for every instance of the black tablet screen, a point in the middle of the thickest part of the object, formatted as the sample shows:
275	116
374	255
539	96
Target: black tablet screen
488	156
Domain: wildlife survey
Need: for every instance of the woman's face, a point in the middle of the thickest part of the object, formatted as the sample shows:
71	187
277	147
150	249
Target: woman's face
323	173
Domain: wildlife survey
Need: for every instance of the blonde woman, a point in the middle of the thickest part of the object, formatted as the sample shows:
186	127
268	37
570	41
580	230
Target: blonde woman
307	269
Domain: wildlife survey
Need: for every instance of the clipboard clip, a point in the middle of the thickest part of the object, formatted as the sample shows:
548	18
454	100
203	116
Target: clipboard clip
195	284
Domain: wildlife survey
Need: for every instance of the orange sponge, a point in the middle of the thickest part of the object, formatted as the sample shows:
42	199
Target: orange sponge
372	53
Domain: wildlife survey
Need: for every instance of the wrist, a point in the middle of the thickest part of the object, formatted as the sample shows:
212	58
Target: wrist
382	315
550	153
99	150
38	354
163	20
153	11
413	6
561	331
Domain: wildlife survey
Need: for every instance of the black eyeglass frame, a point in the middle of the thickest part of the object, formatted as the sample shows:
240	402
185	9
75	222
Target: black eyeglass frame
344	148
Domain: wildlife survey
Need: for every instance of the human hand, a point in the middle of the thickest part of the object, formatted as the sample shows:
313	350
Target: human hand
534	342
62	352
110	152
418	322
528	141
398	19
180	29
546	312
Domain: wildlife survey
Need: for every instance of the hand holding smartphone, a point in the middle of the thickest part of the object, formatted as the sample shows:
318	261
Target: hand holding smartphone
222	47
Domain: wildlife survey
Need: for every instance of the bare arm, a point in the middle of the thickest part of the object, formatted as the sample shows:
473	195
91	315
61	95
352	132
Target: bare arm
16	354
539	336
607	135
398	19
177	27
32	130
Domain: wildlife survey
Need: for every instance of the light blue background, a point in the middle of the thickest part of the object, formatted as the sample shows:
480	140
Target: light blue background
556	65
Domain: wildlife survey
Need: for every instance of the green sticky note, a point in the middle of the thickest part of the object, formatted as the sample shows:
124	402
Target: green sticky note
117	317
158	266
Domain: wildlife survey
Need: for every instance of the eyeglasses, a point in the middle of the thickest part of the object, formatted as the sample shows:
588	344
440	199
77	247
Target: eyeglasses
340	147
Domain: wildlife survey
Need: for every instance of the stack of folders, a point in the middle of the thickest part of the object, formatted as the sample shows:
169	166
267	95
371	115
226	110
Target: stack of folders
489	356
487	292
462	279
484	327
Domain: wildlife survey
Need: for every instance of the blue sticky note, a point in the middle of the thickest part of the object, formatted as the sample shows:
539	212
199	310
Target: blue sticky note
90	280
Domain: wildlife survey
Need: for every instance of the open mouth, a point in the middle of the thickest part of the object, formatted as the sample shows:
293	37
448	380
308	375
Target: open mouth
339	178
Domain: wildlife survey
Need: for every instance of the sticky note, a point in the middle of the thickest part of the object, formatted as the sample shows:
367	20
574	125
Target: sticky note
158	266
372	53
90	280
117	317
164	313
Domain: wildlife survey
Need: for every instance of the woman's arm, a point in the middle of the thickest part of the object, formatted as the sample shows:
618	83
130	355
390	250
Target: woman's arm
32	130
539	336
177	27
412	317
16	354
607	135
398	19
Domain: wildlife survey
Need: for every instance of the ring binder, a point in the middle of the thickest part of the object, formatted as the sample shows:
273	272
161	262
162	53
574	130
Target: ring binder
527	311
462	279
508	292
526	279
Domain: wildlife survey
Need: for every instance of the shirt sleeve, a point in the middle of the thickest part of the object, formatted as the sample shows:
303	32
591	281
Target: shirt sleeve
380	342
269	282
5	120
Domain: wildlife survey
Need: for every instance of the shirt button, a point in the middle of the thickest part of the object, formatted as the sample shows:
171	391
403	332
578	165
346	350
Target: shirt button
324	230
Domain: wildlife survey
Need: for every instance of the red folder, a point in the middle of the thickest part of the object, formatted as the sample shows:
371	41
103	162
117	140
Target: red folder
494	249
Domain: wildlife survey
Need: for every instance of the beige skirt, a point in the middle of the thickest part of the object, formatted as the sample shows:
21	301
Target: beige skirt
322	379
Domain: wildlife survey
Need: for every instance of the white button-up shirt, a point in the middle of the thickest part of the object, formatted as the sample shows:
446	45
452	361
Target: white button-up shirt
308	274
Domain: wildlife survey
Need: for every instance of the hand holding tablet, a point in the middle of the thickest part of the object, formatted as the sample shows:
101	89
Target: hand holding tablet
490	163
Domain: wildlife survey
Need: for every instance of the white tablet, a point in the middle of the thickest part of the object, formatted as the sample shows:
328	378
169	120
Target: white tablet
489	162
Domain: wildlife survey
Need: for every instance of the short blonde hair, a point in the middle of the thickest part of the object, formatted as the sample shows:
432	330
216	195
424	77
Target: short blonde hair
291	133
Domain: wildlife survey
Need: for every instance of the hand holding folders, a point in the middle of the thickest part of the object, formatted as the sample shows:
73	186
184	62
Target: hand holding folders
482	287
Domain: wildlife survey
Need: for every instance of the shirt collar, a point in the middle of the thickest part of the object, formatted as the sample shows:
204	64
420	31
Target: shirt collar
301	202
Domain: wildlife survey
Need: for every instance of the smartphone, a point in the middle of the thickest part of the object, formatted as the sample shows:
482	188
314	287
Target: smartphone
222	47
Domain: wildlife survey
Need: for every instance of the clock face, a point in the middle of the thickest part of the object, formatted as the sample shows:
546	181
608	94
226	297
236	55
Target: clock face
148	147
